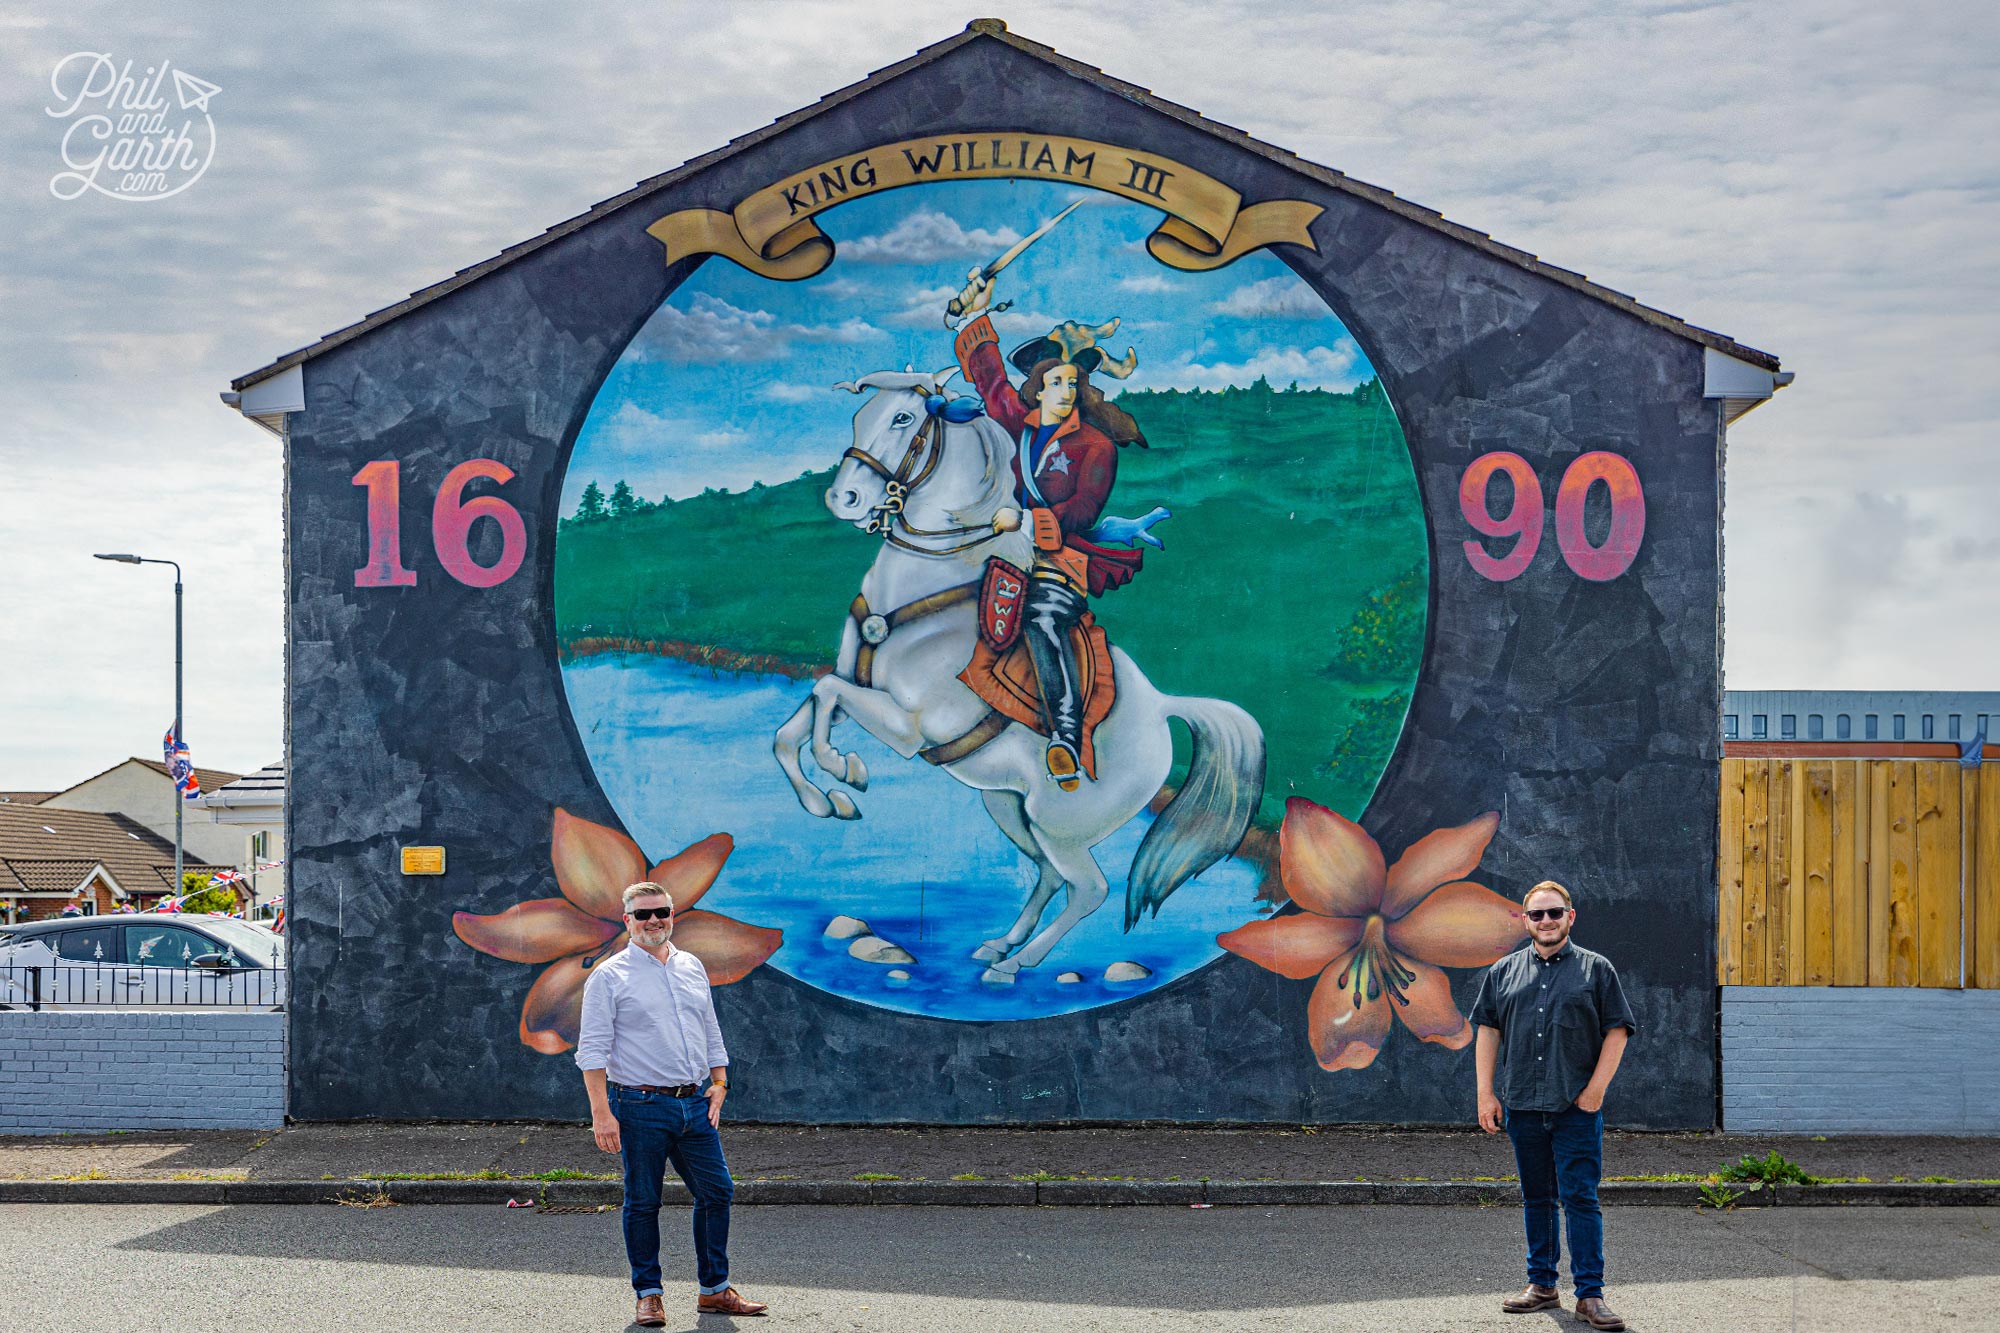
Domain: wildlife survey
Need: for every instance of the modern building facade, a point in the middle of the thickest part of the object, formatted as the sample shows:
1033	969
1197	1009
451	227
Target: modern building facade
1860	715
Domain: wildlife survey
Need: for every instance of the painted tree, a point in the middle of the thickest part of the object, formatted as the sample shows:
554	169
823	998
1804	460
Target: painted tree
591	505
623	502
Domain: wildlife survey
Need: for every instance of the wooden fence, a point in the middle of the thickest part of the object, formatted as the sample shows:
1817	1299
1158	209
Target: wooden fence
1859	872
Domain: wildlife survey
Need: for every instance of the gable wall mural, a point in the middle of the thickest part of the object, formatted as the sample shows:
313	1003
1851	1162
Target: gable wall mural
1089	622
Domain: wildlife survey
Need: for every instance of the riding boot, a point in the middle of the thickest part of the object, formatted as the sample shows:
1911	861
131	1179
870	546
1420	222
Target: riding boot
1052	612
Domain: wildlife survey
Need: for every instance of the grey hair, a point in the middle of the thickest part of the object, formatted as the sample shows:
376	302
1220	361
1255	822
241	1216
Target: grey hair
646	889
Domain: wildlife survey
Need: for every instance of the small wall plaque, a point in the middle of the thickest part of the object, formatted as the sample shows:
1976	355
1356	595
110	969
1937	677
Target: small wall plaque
423	860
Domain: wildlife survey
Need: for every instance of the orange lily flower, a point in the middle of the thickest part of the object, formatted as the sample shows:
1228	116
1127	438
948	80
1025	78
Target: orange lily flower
593	865
1376	937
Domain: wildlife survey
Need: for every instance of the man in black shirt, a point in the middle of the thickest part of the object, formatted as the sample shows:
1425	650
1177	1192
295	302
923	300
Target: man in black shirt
1555	1016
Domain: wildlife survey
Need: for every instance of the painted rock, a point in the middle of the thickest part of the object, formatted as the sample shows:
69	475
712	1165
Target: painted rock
846	928
1069	978
1127	972
898	975
873	949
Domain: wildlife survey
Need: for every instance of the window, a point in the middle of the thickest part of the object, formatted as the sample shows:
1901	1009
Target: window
1930	726
1951	727
165	946
1760	726
1896	729
260	845
1843	728
1815	727
97	944
1729	726
1871	727
1788	727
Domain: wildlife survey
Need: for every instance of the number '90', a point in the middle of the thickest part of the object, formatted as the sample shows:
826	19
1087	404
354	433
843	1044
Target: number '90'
1523	520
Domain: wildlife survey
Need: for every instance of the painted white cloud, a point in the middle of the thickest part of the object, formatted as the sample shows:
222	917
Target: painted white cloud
1146	284
926	236
709	329
1336	368
1283	297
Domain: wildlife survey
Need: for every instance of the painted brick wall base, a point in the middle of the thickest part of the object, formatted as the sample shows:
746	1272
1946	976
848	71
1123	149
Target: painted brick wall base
125	1070
1855	1060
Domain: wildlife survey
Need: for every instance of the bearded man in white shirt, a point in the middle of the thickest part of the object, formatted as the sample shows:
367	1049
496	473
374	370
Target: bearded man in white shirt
656	1070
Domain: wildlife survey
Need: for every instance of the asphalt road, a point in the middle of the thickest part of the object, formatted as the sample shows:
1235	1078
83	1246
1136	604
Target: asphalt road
127	1267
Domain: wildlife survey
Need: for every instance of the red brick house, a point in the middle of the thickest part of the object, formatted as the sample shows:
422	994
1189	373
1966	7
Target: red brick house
51	857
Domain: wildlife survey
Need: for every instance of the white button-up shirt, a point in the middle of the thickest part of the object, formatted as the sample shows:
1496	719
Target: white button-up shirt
648	1023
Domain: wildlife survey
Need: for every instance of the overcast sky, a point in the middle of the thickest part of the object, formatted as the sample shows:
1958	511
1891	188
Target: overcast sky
1818	180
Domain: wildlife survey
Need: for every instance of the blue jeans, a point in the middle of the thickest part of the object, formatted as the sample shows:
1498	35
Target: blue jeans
654	1129
1560	1155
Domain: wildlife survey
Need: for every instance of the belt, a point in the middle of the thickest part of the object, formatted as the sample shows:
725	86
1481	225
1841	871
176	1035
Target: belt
678	1090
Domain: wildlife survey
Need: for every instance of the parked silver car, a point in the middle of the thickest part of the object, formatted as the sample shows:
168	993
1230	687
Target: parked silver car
144	960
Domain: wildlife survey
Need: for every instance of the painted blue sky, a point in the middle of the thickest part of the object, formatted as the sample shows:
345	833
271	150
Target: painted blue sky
730	381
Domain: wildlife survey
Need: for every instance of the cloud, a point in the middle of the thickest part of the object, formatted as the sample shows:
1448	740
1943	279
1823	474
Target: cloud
1336	368
926	237
709	329
781	391
1146	284
1273	298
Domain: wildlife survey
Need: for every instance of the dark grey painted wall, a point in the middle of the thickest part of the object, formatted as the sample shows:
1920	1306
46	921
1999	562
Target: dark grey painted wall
1584	713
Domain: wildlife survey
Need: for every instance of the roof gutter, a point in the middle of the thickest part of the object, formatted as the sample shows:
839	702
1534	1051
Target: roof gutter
1739	385
269	400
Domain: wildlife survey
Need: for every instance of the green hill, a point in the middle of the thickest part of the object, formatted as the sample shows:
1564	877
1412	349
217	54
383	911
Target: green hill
1294	580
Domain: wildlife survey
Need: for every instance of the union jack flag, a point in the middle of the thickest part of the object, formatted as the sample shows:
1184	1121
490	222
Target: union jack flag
168	905
224	878
180	766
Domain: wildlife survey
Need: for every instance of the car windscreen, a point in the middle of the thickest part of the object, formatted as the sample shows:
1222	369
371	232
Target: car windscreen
251	944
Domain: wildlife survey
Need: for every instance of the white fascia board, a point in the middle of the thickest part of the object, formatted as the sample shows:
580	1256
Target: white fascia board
267	401
1740	385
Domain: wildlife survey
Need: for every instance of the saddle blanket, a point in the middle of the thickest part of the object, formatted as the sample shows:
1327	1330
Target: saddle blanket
1006	681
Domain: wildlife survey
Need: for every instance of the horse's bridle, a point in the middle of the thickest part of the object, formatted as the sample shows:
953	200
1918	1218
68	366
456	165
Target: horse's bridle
919	461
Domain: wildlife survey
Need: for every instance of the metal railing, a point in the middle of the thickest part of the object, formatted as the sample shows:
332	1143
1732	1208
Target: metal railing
64	985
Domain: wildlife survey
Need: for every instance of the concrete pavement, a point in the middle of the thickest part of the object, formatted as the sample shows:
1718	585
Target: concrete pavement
843	1153
315	1270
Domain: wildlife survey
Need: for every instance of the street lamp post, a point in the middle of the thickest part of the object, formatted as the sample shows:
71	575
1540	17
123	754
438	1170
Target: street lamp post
179	732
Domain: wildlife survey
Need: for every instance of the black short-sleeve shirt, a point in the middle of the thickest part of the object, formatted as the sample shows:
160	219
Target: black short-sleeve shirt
1552	1014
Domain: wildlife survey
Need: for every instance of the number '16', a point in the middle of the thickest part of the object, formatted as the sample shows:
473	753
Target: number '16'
452	517
1523	519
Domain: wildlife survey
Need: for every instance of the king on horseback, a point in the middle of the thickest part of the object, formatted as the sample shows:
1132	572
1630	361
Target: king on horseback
1065	463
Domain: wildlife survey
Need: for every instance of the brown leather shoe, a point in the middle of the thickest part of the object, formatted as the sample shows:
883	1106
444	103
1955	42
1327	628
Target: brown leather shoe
1532	1299
652	1313
729	1301
1593	1311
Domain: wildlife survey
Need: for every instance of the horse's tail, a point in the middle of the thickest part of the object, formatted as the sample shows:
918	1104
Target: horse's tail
1209	815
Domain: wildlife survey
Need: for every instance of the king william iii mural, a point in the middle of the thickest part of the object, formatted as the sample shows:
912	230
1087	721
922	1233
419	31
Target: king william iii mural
977	607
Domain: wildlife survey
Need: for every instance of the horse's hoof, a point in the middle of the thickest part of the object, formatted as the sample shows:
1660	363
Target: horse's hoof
993	976
987	953
843	805
857	773
815	803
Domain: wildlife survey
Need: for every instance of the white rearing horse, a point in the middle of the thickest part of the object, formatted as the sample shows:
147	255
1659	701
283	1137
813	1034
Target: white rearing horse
912	630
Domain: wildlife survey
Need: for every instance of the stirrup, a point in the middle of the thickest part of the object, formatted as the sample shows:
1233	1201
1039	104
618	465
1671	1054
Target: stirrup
1062	765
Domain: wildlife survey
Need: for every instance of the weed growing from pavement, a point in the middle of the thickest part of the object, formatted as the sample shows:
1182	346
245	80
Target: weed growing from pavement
1937	1180
560	1173
1039	1175
968	1176
875	1175
1770	1169
1723	1199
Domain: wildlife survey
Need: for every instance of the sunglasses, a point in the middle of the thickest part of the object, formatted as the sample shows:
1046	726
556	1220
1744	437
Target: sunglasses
1547	913
651	914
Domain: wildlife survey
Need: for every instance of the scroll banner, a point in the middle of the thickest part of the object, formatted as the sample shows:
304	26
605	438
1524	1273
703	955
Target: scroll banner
772	232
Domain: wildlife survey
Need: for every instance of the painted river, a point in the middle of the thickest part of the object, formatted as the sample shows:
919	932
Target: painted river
683	752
